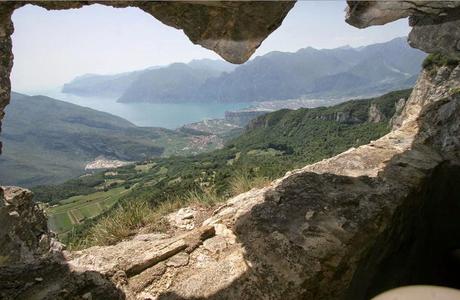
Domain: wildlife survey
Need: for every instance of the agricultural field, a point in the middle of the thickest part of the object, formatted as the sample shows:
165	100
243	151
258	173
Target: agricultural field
78	209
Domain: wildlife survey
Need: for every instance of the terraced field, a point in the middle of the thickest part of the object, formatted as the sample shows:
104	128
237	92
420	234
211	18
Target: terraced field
75	210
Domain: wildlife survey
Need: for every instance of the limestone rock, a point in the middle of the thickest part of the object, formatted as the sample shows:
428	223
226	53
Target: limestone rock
437	34
184	218
396	120
375	115
23	227
363	14
6	57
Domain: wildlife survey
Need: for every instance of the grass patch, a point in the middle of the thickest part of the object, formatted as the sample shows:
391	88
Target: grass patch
118	225
144	167
207	197
243	182
129	217
455	91
74	210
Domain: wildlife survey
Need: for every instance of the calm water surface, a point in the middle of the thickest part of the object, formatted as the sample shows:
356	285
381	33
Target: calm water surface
168	115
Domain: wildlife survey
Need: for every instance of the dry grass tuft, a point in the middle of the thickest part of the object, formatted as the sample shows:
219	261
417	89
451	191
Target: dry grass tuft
118	225
127	219
242	182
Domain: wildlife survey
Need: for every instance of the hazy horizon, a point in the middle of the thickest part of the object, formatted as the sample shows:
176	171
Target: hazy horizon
47	56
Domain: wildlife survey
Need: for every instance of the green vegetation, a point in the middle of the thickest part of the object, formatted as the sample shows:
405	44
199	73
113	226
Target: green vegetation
120	224
455	91
77	209
271	145
438	59
242	182
129	216
48	141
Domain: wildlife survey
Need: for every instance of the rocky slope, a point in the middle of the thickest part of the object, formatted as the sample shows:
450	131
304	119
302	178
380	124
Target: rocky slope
24	232
375	217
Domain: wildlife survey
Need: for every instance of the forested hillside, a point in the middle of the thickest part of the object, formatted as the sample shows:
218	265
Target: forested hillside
49	141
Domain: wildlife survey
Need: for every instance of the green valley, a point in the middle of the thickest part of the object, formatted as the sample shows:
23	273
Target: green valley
48	141
271	145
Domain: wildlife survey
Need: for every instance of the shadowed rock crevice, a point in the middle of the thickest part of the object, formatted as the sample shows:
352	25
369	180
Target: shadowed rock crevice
420	245
51	278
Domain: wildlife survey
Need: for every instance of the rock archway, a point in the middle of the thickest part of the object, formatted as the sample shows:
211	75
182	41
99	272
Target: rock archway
317	232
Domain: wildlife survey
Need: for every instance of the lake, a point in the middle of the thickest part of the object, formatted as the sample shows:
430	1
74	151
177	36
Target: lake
167	115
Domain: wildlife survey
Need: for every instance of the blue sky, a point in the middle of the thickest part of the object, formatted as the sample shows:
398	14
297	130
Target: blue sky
52	47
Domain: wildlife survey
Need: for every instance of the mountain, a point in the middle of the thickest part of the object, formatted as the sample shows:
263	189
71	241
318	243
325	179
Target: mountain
111	86
176	83
114	86
310	73
49	141
341	72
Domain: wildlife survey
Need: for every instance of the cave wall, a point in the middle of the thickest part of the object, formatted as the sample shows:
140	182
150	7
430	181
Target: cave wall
434	23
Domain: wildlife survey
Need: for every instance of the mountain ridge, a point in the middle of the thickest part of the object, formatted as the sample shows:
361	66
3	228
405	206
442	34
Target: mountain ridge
342	72
113	85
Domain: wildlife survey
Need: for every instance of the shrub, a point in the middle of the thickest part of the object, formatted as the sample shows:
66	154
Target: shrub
438	59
